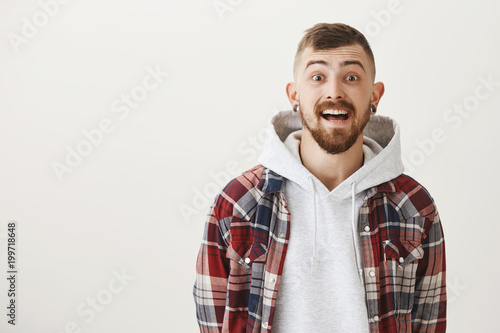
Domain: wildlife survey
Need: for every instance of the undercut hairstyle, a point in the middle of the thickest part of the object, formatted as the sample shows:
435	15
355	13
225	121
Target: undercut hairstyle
324	36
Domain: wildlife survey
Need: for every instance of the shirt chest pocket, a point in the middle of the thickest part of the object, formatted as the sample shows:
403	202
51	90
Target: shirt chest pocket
246	253
398	272
247	261
403	251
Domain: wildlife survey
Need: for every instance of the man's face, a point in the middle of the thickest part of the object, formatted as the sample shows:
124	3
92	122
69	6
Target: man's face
334	89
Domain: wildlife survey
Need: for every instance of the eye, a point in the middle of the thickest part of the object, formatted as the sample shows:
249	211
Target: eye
317	77
352	78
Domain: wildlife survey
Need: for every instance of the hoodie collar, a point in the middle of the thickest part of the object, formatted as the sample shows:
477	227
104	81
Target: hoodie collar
383	166
272	182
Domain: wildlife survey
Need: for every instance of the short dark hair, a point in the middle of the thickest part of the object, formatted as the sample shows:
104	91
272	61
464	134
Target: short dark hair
324	36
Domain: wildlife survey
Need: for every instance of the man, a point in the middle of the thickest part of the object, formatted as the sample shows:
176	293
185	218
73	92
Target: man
327	234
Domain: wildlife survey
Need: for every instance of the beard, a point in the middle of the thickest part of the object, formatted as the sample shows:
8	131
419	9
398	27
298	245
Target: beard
338	140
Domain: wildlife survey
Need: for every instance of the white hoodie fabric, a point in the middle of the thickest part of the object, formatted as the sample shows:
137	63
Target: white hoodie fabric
322	287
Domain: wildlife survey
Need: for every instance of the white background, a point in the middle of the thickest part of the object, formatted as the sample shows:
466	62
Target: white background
137	202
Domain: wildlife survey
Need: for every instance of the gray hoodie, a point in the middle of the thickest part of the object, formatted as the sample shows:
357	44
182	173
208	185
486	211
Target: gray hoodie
322	288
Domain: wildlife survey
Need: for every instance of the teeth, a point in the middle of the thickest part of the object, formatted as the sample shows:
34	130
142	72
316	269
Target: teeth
335	112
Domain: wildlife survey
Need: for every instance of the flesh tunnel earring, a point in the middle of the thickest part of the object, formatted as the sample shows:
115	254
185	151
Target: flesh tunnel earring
296	108
373	108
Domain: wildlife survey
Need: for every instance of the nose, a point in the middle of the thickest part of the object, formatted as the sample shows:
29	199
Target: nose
335	90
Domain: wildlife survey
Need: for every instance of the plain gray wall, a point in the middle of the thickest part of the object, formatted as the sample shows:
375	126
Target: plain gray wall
134	205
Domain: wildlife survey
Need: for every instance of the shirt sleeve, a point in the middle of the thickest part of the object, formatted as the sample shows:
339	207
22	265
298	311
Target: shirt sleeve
212	269
429	310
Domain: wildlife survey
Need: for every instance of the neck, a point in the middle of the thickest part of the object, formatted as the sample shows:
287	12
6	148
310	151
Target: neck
330	169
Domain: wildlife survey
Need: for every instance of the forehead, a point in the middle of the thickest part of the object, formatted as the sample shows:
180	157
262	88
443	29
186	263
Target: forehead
334	56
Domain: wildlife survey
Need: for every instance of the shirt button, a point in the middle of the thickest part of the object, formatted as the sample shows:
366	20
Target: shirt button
367	228
376	318
273	280
247	260
282	235
265	324
401	259
372	273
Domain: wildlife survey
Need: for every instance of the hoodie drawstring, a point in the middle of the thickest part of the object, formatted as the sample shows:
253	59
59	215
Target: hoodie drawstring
355	234
315	221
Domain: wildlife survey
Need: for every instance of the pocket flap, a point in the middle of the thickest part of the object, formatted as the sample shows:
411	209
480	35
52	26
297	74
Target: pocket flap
408	250
246	253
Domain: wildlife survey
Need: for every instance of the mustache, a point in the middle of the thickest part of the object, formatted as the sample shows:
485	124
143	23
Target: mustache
332	105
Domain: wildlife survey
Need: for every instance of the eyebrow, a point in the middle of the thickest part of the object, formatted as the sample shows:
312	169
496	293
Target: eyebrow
343	64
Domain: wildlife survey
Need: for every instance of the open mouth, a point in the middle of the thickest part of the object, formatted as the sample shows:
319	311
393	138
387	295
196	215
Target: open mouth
335	114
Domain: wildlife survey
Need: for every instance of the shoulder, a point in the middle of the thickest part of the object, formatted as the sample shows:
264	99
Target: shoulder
241	194
415	194
247	181
409	197
411	200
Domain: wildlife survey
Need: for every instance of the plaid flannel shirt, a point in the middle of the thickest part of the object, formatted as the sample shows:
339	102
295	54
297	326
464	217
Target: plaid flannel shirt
241	258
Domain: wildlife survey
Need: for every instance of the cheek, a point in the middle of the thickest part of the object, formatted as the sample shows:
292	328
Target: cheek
309	98
360	99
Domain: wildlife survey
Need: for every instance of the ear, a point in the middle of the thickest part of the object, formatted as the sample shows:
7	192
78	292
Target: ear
291	92
377	93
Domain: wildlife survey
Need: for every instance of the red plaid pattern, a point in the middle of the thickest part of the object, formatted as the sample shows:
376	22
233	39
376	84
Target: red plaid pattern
241	258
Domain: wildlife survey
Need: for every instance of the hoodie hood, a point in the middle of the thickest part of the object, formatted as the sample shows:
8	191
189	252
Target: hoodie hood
381	148
382	162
